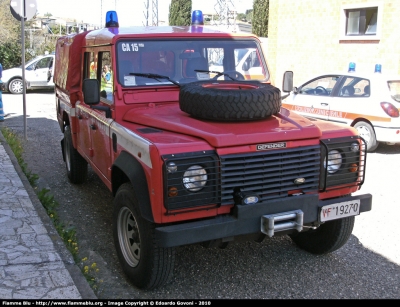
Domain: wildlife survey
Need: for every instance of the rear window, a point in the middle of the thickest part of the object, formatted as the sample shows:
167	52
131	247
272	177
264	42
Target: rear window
394	88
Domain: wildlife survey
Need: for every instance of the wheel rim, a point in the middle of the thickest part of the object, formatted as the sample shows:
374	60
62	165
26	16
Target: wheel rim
128	236
16	86
67	154
364	133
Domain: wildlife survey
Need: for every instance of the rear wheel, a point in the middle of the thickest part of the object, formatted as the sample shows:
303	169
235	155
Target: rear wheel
327	238
76	165
146	264
366	131
16	86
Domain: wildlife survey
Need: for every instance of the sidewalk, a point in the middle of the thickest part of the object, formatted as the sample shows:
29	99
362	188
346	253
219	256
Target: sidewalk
34	262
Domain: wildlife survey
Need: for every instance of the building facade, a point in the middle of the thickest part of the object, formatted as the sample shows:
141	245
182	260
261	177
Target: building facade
312	37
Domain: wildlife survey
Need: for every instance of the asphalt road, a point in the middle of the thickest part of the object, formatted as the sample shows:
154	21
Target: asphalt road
367	267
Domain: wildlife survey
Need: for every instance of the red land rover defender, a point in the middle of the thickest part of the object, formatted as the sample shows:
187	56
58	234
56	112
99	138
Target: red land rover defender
199	156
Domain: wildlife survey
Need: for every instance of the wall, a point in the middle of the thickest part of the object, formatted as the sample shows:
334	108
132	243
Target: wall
304	36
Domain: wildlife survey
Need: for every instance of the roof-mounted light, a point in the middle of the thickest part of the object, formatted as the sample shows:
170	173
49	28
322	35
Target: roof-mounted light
378	68
352	67
197	18
112	19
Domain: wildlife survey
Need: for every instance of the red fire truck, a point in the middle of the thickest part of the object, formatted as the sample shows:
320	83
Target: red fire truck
196	156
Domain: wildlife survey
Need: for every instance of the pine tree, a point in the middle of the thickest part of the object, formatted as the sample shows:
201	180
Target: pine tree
260	17
180	12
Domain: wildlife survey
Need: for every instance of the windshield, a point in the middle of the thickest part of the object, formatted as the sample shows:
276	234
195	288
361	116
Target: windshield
394	88
179	60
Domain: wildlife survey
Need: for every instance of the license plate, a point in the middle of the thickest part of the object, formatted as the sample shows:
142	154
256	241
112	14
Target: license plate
340	210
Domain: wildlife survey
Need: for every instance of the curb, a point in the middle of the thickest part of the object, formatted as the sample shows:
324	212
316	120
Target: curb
77	276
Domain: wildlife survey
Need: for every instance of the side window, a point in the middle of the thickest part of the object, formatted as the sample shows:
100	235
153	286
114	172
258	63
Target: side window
320	87
106	76
355	87
252	60
43	63
90	68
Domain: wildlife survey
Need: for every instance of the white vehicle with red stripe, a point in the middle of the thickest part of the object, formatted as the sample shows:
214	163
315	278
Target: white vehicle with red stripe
368	102
192	159
247	62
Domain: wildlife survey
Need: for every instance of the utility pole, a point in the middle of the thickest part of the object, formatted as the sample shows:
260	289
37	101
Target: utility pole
155	13
226	11
146	13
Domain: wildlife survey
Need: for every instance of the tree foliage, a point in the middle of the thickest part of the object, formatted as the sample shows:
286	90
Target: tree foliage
260	17
249	15
180	12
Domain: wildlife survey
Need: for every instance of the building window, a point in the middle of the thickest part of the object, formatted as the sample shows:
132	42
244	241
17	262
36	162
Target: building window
361	22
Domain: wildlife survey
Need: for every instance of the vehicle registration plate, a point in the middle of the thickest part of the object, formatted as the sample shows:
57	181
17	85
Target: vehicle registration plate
340	210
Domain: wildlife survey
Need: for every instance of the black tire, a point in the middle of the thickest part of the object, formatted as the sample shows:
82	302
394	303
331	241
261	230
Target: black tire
15	86
145	264
327	238
230	100
367	132
76	165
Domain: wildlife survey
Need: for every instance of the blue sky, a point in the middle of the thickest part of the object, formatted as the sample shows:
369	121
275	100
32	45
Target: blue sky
130	12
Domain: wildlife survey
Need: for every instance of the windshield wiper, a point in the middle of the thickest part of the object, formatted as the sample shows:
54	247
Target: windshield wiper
154	76
219	74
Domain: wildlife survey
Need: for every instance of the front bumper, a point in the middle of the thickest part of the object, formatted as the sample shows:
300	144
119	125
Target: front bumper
247	219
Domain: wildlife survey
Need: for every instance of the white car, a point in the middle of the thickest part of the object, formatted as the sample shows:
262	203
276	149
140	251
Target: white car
38	75
368	102
247	63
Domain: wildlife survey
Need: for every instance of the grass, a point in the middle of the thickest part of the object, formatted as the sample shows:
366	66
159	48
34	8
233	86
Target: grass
67	234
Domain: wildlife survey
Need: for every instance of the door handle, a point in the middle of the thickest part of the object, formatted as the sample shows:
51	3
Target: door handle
93	127
79	116
324	104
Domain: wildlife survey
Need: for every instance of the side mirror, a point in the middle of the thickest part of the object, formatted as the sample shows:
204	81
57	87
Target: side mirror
91	91
91	96
287	84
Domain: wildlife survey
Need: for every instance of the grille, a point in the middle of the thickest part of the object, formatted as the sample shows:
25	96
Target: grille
270	174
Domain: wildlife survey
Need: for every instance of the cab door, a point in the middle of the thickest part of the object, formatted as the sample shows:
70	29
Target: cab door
38	77
352	101
313	98
83	114
100	120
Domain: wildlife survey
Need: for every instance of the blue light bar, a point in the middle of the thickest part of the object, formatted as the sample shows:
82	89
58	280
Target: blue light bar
197	18
378	68
352	66
112	19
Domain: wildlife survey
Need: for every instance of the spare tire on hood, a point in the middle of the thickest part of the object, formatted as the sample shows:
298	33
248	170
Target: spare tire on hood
230	100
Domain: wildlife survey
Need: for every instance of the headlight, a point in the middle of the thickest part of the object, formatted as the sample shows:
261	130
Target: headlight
334	161
195	178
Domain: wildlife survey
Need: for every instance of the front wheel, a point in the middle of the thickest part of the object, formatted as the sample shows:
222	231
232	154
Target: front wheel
366	131
327	238
147	265
76	165
16	86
